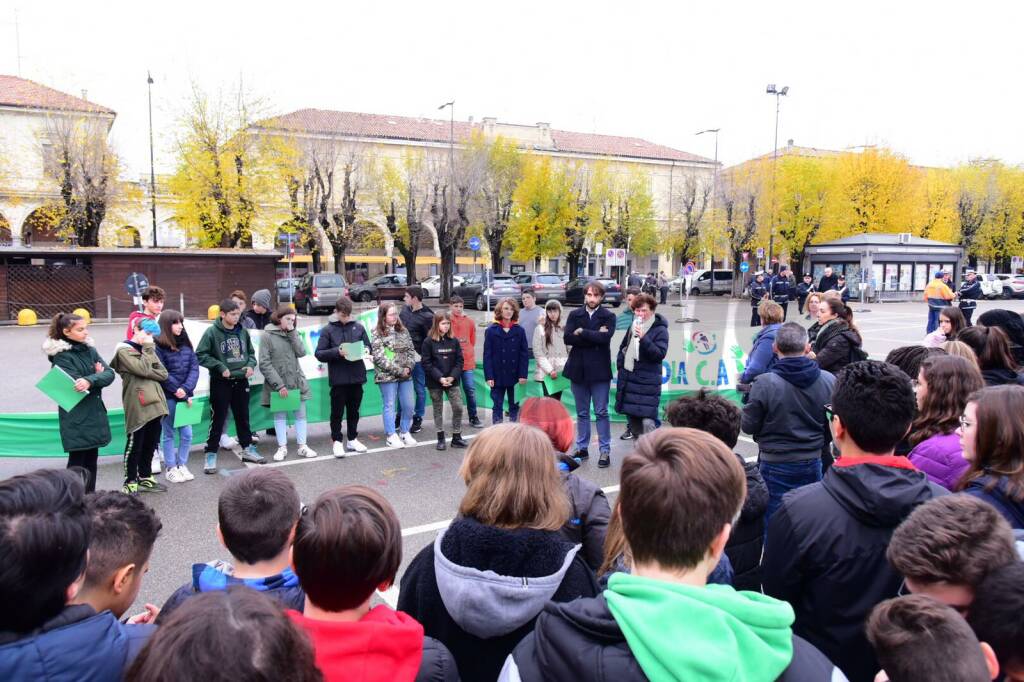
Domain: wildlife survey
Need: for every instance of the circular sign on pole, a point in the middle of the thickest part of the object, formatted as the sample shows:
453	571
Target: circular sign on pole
136	283
744	266
474	243
760	253
690	267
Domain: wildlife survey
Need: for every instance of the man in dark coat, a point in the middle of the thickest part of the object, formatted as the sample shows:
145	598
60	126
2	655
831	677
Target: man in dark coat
780	290
417	319
970	292
588	334
826	544
757	293
828	281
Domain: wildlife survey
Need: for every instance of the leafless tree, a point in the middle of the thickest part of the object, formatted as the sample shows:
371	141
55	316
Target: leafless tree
452	191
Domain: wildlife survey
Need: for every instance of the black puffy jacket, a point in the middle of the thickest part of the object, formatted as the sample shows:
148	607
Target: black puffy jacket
638	392
825	552
581	640
836	346
418	324
341	371
747	538
441	359
591	512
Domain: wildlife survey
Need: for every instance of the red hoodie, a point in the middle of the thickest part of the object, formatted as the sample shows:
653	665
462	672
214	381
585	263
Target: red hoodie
384	645
464	329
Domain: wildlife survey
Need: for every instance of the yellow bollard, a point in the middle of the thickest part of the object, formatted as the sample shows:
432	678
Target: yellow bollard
84	314
213	312
27	317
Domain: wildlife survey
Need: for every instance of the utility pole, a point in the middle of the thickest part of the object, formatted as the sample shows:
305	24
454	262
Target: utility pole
714	190
775	162
152	170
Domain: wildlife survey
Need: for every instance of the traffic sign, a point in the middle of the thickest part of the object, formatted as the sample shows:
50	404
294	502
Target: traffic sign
744	266
760	252
615	257
474	243
690	267
136	283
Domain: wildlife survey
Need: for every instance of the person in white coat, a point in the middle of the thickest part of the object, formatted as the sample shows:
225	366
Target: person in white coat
549	347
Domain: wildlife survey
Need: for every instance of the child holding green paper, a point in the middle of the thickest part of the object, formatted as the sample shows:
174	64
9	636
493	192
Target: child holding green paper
280	350
549	347
175	351
85	429
346	374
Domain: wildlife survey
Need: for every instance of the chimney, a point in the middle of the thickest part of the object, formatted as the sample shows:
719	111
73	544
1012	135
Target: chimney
489	123
545	134
789	142
470	120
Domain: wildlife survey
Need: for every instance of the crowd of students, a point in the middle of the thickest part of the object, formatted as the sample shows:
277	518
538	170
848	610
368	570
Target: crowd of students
879	534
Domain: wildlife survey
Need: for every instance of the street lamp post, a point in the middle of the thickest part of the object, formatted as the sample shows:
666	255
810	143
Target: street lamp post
152	171
451	169
714	189
775	162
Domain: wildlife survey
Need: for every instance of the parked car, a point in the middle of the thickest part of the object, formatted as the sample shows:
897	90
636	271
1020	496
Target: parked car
481	290
432	284
319	291
381	288
544	285
574	290
701	283
1002	285
286	289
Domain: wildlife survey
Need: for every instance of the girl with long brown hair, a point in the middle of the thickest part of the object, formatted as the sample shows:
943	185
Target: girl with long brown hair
393	359
943	385
992	347
549	346
175	351
951	323
442	365
992	436
838	341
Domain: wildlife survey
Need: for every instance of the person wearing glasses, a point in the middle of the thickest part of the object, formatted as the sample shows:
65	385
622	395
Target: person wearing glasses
826	543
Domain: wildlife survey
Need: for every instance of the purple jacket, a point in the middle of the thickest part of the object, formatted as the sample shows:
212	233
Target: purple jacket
941	459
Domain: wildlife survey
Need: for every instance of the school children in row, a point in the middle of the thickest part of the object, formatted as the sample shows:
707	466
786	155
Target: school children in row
442	364
506	359
280	350
346	375
174	348
85	429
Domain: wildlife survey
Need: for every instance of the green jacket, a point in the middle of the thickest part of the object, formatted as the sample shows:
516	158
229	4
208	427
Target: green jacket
141	373
86	426
221	349
279	361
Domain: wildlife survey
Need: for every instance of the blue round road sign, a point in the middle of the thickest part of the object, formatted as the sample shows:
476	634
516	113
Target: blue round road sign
136	283
744	266
690	267
474	243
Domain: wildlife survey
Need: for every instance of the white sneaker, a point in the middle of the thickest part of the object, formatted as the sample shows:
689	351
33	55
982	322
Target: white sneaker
227	442
281	453
173	476
183	470
409	440
156	463
395	442
338	449
306	451
355	446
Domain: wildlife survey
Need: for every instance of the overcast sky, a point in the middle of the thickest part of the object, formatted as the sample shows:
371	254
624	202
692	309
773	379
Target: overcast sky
936	81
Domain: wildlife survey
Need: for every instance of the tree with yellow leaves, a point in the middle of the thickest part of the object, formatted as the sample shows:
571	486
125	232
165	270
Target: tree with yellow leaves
875	191
542	209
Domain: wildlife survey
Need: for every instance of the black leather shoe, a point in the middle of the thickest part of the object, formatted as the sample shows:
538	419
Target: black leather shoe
457	441
605	460
475	422
440	441
582	455
417	425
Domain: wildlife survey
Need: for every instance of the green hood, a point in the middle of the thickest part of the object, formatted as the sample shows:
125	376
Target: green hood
680	632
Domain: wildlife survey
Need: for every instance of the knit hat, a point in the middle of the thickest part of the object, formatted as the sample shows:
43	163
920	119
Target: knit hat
262	298
150	327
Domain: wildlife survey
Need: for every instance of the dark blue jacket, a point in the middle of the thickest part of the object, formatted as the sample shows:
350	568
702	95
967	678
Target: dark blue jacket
780	289
78	645
1012	510
506	355
761	357
638	393
758	291
283	587
590	352
342	371
182	369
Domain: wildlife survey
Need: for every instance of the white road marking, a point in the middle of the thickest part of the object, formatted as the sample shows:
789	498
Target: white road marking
294	459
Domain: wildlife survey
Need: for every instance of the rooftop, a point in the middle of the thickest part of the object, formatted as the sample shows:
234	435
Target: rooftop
26	94
438	131
882	239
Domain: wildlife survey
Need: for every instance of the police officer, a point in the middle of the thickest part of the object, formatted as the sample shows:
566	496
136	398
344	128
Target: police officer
757	293
969	293
780	290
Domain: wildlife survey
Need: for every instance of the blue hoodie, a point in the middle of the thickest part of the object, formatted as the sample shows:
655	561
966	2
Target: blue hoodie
799	371
217	575
1012	510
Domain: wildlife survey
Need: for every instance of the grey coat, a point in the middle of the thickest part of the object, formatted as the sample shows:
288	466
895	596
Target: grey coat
279	362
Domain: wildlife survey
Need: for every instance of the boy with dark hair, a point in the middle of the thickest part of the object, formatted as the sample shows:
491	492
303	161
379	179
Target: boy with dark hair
418	319
680	491
152	306
997	617
918	639
45	532
256	513
347	545
227	351
258	316
720	417
948	545
825	549
345	375
124	530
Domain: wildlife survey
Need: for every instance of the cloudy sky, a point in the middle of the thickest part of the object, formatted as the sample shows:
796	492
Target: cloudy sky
936	81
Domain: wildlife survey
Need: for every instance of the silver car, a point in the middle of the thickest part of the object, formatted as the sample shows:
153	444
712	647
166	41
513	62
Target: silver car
319	291
701	283
481	291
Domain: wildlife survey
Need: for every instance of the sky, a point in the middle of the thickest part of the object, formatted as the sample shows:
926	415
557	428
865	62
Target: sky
937	82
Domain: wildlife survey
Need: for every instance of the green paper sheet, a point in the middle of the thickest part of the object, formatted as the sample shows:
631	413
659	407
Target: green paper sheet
389	354
292	402
354	350
187	416
556	385
60	388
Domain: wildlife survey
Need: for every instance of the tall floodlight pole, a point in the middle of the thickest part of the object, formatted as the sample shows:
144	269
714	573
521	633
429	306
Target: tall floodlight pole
775	162
451	159
714	191
152	170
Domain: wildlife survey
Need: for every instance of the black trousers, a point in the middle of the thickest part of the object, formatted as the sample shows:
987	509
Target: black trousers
86	460
755	319
345	402
557	395
138	451
664	295
800	300
228	394
968	314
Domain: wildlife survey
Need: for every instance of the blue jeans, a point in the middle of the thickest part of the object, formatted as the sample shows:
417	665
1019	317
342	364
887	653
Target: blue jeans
419	383
935	306
301	425
583	394
498	398
781	477
469	387
404	391
172	457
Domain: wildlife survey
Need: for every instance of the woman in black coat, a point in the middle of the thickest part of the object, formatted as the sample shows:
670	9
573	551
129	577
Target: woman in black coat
838	341
638	394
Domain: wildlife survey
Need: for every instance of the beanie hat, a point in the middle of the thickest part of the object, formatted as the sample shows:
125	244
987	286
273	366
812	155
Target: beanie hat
262	298
150	327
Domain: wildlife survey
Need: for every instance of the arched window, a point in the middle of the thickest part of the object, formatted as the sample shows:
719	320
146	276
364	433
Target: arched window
129	237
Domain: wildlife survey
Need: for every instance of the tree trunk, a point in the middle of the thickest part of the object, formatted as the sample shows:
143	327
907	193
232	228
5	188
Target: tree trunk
447	272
